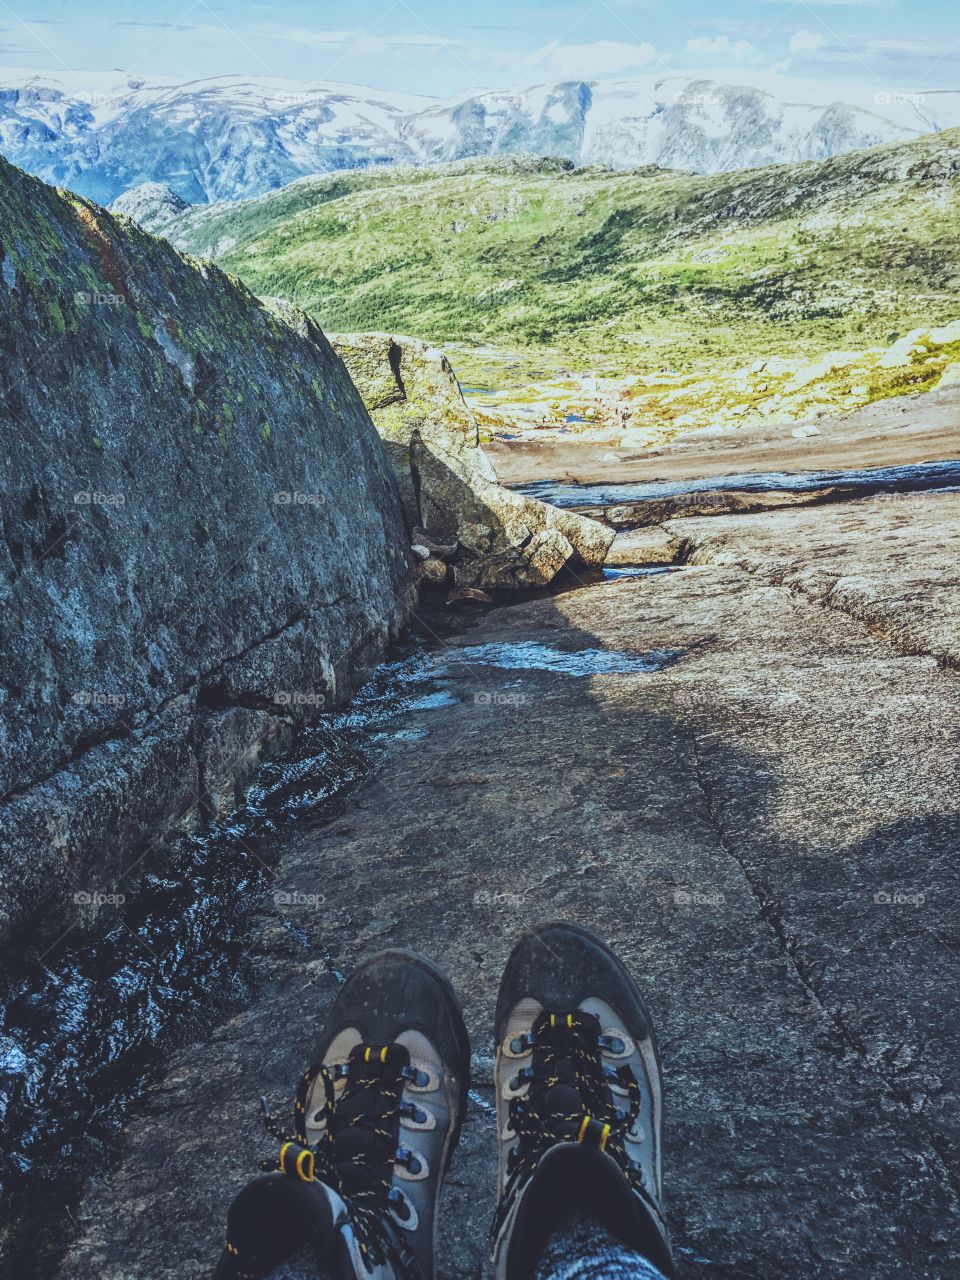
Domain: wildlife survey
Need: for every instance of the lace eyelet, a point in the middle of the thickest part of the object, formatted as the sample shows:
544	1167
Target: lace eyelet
410	1164
520	1046
521	1081
418	1079
612	1045
401	1210
417	1118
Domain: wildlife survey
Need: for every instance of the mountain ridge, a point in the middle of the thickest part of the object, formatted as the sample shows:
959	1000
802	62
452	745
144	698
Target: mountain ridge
234	137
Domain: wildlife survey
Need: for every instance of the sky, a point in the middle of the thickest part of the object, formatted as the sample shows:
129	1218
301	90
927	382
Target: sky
445	47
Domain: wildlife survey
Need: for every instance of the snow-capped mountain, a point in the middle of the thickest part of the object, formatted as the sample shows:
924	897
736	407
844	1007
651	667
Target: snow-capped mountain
234	137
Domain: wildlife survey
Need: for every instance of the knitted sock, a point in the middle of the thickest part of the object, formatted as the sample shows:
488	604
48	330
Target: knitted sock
578	1250
301	1267
583	1250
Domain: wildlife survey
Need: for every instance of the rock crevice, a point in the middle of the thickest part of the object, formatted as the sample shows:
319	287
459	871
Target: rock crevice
497	539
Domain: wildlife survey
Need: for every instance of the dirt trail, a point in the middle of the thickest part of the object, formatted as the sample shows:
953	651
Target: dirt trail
762	817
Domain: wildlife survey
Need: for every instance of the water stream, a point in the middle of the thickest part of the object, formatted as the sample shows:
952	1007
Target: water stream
869	480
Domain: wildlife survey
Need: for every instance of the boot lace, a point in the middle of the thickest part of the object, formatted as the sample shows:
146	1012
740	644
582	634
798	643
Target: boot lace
357	1149
570	1099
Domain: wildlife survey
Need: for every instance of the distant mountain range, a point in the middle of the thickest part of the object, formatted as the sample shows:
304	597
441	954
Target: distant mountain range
234	137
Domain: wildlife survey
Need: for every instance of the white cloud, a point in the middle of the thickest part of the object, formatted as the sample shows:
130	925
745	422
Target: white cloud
845	4
303	36
719	45
357	40
806	42
603	57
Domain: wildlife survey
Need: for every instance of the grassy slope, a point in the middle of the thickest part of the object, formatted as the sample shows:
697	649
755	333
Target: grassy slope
645	268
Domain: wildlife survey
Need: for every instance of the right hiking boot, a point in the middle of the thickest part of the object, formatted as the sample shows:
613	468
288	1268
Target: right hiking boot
579	1101
356	1183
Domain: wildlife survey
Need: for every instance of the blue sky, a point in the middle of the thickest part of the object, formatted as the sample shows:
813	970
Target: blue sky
443	46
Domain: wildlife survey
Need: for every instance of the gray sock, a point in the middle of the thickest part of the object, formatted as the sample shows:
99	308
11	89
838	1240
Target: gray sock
583	1250
301	1267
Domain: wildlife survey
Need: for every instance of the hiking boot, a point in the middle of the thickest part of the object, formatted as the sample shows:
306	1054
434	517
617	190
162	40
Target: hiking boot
356	1183
579	1103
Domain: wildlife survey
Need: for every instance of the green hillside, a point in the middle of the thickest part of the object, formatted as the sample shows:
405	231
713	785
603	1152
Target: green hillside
645	269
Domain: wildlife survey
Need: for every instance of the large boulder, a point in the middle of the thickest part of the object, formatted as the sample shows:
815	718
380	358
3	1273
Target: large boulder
500	539
203	543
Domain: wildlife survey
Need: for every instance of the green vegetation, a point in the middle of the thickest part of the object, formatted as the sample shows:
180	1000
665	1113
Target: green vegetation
642	270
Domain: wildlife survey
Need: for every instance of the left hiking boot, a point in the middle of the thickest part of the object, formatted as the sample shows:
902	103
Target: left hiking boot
579	1102
356	1182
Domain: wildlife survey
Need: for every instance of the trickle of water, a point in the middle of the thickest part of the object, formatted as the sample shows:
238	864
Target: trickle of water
640	571
528	655
917	476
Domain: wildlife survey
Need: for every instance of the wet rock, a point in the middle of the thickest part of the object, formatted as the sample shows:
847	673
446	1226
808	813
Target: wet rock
230	747
199	516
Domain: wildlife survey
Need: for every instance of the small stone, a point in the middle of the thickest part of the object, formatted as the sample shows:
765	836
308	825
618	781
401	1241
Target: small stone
469	595
433	570
620	517
477	538
442	550
420	551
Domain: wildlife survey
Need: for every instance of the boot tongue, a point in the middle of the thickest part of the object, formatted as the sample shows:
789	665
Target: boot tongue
364	1131
562	1104
563	1100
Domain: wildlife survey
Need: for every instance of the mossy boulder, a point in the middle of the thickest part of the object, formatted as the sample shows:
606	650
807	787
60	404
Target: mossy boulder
198	517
